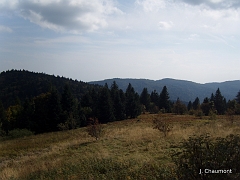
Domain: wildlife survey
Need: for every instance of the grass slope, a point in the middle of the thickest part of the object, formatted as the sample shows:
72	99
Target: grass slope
129	149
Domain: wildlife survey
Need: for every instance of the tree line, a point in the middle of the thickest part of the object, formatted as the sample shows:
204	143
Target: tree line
53	111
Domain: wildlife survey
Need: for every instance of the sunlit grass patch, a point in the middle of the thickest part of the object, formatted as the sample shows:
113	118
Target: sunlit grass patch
129	149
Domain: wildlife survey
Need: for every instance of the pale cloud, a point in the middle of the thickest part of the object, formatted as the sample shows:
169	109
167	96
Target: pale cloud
193	37
165	25
151	5
5	29
62	40
59	15
214	4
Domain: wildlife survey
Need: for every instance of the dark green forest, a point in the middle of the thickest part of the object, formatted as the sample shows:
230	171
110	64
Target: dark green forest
45	103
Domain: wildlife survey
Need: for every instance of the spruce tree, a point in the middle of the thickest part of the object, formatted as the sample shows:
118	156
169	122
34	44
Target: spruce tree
67	101
189	106
41	114
206	106
179	107
145	98
164	102
196	103
219	102
26	115
154	97
132	102
118	106
55	110
105	106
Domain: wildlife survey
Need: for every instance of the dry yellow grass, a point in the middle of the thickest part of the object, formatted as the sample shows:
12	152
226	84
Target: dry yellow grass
129	143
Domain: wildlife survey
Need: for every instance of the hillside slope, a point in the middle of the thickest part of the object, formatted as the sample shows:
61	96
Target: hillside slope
129	149
25	84
185	90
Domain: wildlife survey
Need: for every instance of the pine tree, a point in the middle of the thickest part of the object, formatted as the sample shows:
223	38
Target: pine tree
205	106
69	108
118	106
105	106
90	101
55	110
189	106
145	98
212	98
154	97
164	102
132	102
179	107
219	102
67	101
41	114
26	115
196	103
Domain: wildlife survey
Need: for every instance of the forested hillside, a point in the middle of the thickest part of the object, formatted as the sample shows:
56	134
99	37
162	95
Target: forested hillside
22	84
185	90
44	103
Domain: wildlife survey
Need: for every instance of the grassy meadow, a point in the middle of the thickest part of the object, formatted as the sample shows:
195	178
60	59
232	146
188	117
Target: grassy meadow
129	149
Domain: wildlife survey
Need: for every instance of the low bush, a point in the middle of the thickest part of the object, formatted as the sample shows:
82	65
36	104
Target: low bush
212	115
94	128
162	124
199	155
199	114
17	133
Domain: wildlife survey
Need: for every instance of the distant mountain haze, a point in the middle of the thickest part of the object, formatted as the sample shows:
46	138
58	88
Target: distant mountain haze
185	90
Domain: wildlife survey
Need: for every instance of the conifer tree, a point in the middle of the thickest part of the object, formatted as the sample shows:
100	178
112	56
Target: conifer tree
26	115
145	98
206	106
219	102
189	106
55	109
67	100
164	100
105	106
69	108
196	103
132	102
41	114
118	106
154	97
179	107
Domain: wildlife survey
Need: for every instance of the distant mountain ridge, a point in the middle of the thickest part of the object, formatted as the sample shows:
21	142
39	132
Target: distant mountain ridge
25	84
185	90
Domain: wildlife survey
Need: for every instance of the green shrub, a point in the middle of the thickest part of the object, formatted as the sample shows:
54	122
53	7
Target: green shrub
203	152
162	124
94	128
199	114
212	115
17	133
191	112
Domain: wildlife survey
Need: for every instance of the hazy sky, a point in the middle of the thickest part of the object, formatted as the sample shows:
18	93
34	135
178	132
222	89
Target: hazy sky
196	40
